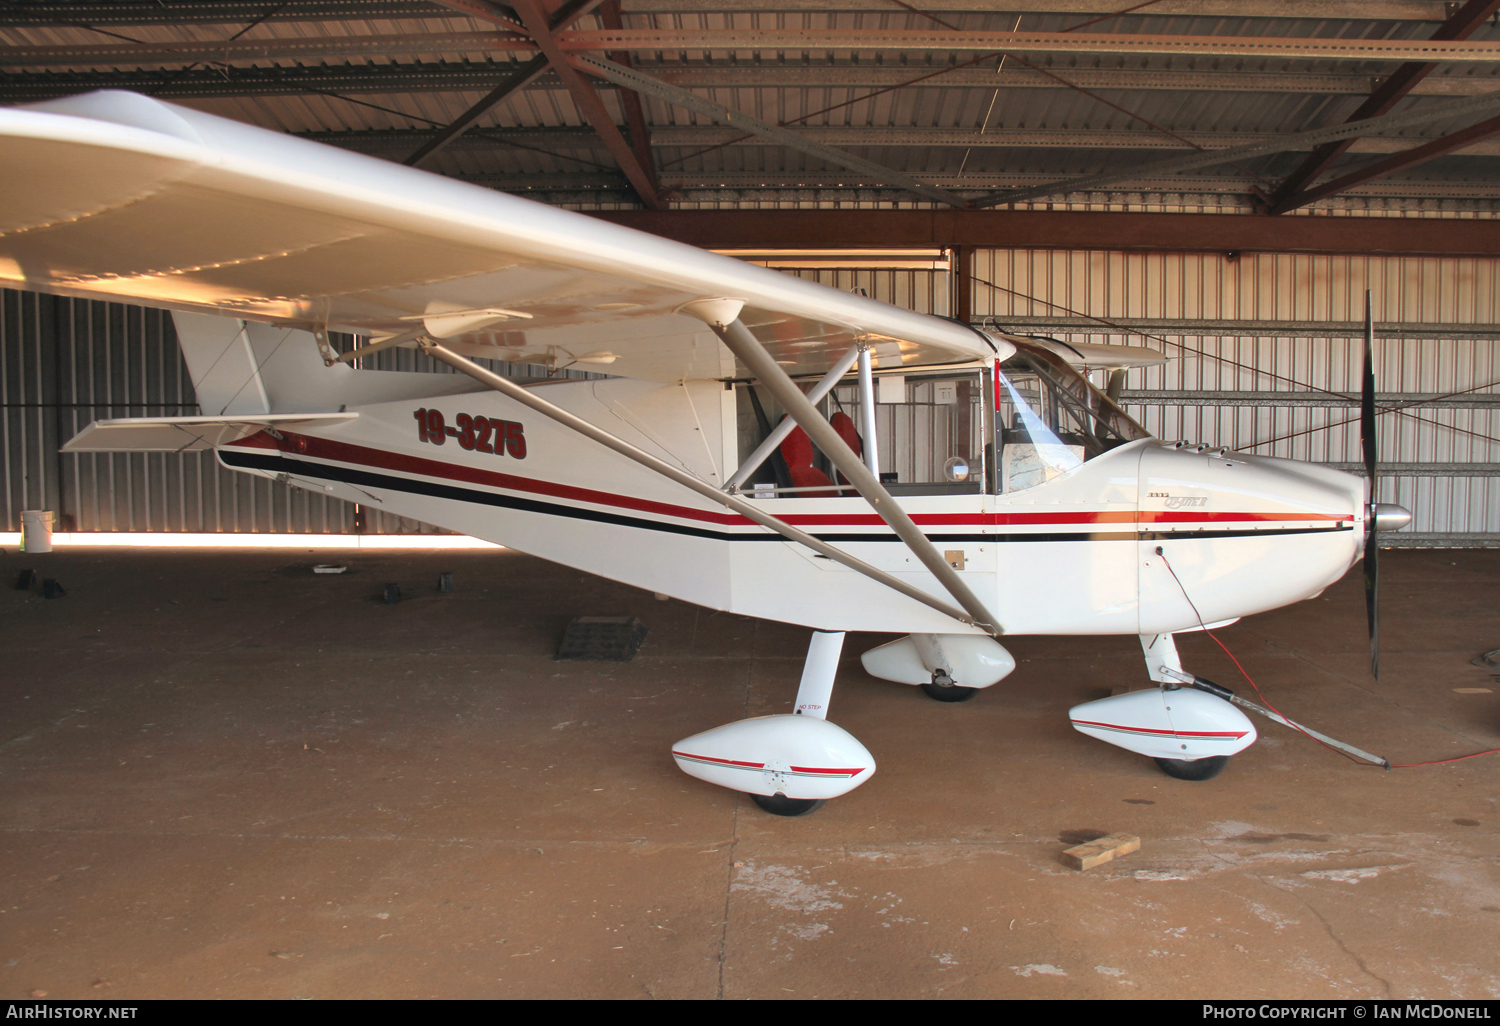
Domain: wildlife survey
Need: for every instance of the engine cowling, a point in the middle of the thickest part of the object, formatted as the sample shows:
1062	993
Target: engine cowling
797	756
1183	724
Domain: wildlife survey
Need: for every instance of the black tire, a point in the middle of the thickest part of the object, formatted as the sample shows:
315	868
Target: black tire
1195	769
781	805
950	692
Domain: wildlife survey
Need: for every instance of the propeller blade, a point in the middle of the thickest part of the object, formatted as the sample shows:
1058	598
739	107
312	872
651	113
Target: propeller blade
1367	399
1372	597
1367	439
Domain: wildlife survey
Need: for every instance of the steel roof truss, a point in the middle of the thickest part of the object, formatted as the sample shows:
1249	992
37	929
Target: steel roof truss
632	79
591	106
1291	141
1460	26
1394	163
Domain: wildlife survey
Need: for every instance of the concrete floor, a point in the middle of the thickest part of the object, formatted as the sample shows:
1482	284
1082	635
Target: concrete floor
223	776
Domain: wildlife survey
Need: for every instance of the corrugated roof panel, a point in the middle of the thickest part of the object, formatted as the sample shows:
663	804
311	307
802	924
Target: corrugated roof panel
933	103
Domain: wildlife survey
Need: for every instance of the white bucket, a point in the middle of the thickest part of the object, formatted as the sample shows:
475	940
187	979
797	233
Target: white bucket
36	530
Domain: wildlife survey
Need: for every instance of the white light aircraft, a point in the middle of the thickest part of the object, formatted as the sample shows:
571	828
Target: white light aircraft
927	479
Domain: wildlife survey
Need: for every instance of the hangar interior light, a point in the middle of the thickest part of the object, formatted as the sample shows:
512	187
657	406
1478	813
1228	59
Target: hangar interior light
846	259
138	539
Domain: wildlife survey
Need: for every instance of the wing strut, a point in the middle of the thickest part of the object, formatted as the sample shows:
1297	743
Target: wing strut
723	317
780	431
742	506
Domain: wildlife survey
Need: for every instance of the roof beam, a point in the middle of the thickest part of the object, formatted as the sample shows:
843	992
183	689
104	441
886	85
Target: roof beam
280	48
1035	229
760	40
519	79
735	119
297	80
41	13
589	104
1391	165
1295	140
207	12
945	40
1460	26
1384	10
516	80
630	100
1014	76
741	185
840	136
471	76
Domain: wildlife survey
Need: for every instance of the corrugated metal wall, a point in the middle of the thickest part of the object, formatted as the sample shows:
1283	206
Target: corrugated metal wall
1233	388
67	362
1229	384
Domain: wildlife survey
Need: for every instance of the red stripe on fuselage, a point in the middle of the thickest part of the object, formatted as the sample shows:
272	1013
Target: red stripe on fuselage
383	459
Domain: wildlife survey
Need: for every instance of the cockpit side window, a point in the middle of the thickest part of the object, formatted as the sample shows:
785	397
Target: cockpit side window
931	429
1050	420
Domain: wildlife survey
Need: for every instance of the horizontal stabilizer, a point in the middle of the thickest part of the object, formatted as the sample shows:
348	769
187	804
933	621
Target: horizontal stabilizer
184	434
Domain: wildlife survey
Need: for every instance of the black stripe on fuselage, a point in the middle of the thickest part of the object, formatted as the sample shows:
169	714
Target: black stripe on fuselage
453	493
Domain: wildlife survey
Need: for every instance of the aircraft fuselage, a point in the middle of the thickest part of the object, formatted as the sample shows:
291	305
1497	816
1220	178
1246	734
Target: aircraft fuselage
1076	555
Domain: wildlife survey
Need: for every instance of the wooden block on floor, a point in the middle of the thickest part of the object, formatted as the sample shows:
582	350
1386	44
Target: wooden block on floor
1087	856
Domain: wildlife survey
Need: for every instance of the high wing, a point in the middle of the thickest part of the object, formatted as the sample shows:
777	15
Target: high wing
114	194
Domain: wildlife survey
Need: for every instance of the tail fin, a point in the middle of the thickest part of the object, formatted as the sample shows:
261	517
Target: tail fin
223	365
246	368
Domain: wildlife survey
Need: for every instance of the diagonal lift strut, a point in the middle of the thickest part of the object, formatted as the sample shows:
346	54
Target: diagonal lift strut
747	348
740	505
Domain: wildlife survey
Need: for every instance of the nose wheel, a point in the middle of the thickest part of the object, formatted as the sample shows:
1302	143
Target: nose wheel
1195	769
781	805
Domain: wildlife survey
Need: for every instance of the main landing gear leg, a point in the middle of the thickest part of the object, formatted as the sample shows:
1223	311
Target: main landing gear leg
813	695
788	764
818	672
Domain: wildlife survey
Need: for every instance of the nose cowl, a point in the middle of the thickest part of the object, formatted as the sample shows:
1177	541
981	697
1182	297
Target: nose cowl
1391	517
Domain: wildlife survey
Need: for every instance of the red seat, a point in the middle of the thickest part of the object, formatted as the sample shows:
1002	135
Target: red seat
797	450
844	425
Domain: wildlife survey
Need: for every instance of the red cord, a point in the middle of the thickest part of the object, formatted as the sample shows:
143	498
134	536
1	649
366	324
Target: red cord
1439	762
1278	712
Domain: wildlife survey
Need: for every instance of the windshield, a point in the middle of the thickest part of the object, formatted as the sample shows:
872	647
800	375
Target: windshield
1049	419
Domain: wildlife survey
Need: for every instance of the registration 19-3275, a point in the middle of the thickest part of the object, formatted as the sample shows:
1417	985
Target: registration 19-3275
481	434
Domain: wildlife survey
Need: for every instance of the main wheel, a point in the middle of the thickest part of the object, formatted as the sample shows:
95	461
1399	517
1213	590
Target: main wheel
1194	769
949	692
781	805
